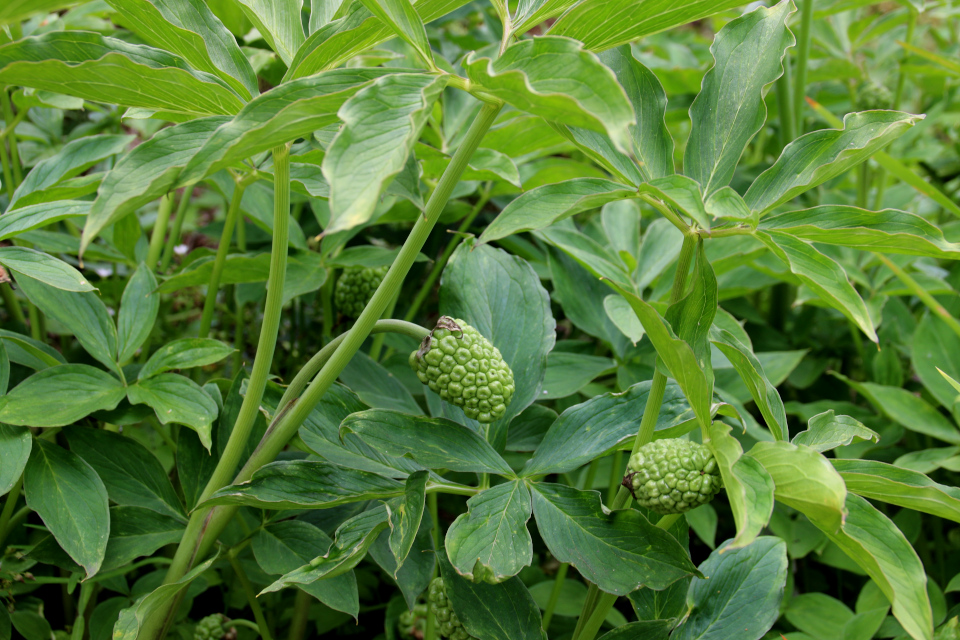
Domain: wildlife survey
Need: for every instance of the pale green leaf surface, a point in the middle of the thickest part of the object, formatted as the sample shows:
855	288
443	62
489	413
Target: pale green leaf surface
175	398
61	395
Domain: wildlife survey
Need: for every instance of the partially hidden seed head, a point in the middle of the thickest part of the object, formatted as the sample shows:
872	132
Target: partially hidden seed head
673	475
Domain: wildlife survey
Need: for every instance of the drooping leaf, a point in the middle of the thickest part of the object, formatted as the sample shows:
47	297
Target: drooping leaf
139	307
175	398
405	516
405	22
935	353
902	487
184	353
279	22
61	395
71	500
15	445
14	223
44	268
826	431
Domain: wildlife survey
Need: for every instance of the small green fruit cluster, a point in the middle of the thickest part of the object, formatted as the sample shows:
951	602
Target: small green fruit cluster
871	95
449	624
413	624
355	288
463	368
210	628
673	476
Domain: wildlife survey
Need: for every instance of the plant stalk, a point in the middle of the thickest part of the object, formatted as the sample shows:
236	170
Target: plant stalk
8	506
928	300
174	237
226	237
12	304
301	615
555	594
803	56
159	232
251	596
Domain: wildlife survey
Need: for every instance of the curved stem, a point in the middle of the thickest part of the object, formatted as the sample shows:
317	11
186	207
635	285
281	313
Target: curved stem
213	286
174	237
251	594
159	230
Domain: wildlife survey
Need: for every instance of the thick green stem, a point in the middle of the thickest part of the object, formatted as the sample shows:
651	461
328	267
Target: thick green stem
7	513
803	55
206	524
174	237
36	332
7	173
616	464
226	236
12	304
11	134
251	596
377	345
301	615
555	594
159	232
788	130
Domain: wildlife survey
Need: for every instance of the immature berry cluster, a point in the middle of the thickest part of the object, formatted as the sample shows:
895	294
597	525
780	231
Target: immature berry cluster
463	368
355	288
449	624
413	624
871	95
673	476
210	628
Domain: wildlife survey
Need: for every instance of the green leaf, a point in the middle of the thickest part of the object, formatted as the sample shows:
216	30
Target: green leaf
641	630
287	112
603	24
935	353
184	353
132	475
99	69
889	231
73	159
588	430
17	10
740	598
24	219
620	313
136	531
826	431
599	148
414	575
405	517
405	22
555	78
902	487
567	373
729	110
351	541
177	399
61	395
573	595
279	22
504	611
15	445
749	487
298	484
763	392
139	307
29	352
577	530
500	295
692	315
906	409
131	619
436	443
190	30
377	386
677	355
818	156
491	542
147	172
652	144
71	500
382	122
819	615
45	268
822	275
876	544
805	481
82	313
283	546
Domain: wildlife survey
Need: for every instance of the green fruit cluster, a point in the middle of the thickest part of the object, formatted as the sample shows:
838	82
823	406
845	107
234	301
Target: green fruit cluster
209	628
673	476
413	624
871	95
449	624
463	368
355	287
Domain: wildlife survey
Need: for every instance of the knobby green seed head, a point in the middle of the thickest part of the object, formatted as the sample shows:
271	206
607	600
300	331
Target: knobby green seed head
871	95
413	624
448	622
355	287
673	476
210	628
463	368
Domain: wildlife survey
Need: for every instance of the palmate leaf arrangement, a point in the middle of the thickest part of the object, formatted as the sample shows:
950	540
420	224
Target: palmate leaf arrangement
261	466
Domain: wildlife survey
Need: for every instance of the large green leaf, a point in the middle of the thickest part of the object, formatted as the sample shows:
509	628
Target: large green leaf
588	430
902	487
490	542
139	307
889	231
61	395
99	69
17	10
184	353
936	348
189	29
176	398
71	500
279	22
137	531
879	548
405	22
826	431
132	475
44	268
641	630
436	443
298	484
602	24
577	530
406	517
740	598
556	79
748	54
13	223
15	445
381	124
150	170
805	481
823	275
504	611
749	487
816	157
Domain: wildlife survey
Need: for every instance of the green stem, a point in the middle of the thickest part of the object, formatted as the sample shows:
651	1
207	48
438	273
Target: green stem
326	304
159	230
555	594
7	513
226	236
35	329
8	119
7	173
301	615
174	237
238	337
377	345
863	184
12	304
441	262
788	129
251	596
803	55
616	463
80	622
918	290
